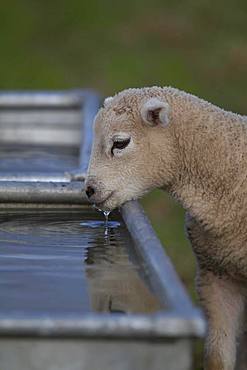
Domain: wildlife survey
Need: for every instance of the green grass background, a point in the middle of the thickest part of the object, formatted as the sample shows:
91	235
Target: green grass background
196	45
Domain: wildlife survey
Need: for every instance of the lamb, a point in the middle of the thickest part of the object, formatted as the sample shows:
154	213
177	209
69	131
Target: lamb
165	138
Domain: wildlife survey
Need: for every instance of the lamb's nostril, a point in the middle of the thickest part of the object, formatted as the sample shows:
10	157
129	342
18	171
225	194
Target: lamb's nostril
90	191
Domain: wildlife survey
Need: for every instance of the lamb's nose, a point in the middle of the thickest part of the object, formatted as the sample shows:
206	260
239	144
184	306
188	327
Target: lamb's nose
90	191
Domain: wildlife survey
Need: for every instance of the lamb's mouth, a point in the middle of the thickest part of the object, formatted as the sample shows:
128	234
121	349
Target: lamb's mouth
100	205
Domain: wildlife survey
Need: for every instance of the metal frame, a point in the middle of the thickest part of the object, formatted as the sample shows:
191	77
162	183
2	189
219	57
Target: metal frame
180	319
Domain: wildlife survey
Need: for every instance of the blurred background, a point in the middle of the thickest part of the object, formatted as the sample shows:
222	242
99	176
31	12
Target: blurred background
199	46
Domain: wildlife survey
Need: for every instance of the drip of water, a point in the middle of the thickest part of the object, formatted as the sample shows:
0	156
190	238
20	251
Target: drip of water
106	214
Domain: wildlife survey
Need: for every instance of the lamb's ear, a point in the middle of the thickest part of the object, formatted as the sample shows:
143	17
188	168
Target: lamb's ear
107	101
155	112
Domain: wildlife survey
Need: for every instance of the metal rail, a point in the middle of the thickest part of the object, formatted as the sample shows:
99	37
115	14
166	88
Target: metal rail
158	325
165	279
90	109
34	177
42	99
42	192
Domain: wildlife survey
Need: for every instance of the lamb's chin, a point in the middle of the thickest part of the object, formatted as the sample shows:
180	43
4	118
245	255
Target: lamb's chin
108	206
117	201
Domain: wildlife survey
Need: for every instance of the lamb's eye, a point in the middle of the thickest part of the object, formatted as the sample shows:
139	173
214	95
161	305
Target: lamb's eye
120	144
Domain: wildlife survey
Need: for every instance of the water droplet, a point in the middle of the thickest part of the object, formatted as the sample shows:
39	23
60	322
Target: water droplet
106	214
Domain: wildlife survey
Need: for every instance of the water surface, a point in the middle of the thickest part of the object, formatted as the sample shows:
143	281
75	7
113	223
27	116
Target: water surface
61	260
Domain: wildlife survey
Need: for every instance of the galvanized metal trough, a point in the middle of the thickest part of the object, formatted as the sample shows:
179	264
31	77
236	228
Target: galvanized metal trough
63	327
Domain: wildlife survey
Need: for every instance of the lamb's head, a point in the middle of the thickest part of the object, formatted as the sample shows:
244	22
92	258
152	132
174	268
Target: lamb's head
132	150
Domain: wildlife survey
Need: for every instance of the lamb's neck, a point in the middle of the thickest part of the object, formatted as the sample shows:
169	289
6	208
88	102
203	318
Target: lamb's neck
212	148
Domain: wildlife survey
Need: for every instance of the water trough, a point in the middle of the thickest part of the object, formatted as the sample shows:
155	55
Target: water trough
73	294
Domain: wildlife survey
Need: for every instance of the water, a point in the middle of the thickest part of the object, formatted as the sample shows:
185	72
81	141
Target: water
62	260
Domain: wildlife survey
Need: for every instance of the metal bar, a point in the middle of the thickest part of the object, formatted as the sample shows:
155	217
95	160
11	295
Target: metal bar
39	99
42	192
31	118
90	108
104	325
35	177
164	275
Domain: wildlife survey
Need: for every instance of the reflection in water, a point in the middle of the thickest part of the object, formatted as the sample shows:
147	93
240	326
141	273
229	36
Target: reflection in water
106	214
114	275
41	263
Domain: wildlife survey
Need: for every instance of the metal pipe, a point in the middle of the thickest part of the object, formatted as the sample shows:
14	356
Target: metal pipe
90	109
42	192
104	325
40	99
35	177
162	271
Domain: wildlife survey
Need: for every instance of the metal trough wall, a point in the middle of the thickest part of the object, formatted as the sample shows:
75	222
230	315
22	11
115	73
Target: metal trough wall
87	340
